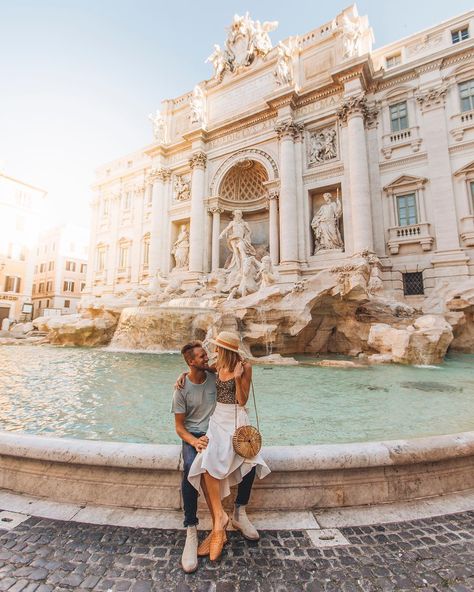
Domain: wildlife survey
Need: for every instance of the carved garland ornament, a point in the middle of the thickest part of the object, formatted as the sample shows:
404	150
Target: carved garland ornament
433	97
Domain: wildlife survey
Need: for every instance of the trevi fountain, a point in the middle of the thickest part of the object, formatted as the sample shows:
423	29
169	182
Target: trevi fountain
278	201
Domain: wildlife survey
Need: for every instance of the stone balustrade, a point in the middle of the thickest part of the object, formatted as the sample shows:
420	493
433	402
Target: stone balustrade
411	234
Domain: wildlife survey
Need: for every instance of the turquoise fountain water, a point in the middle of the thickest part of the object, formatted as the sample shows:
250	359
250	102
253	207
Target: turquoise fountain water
96	394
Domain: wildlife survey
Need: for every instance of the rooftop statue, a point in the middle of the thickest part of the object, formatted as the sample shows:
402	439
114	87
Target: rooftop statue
159	126
284	69
246	40
198	103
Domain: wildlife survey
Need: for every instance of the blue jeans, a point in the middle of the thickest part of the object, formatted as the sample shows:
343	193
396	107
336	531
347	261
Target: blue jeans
190	495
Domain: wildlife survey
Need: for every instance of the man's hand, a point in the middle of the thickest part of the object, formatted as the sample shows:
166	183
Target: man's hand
179	384
201	443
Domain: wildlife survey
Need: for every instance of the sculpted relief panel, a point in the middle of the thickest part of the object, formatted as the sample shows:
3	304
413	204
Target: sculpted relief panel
322	146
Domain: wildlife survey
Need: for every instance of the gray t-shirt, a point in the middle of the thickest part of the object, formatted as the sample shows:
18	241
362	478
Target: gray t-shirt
197	401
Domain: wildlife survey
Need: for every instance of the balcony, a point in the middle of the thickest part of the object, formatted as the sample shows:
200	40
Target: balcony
406	137
123	274
409	235
461	123
467	230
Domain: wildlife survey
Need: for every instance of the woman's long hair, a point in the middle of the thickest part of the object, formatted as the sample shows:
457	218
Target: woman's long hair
226	359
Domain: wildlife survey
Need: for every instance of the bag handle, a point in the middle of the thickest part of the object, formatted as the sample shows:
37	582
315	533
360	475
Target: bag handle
254	402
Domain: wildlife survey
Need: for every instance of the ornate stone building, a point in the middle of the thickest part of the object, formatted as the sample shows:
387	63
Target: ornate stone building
387	133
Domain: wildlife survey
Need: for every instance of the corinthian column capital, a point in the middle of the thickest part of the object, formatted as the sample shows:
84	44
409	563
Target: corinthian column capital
350	106
289	129
160	174
198	160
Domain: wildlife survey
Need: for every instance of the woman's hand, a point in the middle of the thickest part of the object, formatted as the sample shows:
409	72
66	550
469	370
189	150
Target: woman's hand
179	384
239	370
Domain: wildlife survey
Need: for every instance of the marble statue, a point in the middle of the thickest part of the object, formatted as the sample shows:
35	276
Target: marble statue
284	68
159	126
182	189
180	249
220	61
266	274
248	283
198	106
325	225
351	35
237	233
322	146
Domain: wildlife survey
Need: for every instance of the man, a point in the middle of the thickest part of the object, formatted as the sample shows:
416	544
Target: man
192	406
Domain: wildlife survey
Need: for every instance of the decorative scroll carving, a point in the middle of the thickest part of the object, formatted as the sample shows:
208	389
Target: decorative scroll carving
432	98
322	145
198	160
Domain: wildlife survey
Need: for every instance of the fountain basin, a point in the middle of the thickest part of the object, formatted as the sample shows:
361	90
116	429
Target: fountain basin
303	477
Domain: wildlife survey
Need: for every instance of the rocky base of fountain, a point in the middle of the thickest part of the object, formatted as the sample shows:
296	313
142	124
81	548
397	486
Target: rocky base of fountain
343	310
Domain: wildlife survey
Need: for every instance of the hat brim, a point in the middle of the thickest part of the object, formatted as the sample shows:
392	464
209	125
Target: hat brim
236	351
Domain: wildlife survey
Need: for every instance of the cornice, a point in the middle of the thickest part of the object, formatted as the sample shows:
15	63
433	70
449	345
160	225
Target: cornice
401	162
361	69
460	147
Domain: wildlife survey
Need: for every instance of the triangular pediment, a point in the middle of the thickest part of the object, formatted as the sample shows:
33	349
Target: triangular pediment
466	169
405	180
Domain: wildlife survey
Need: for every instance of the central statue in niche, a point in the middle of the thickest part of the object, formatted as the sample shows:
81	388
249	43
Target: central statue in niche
238	241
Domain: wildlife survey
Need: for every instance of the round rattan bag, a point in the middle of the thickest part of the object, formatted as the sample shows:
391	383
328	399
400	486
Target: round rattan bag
247	441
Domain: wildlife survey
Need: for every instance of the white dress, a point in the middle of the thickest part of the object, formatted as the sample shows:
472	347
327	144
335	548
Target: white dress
219	458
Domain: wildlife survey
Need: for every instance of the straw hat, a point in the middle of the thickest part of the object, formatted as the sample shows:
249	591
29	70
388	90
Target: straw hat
227	340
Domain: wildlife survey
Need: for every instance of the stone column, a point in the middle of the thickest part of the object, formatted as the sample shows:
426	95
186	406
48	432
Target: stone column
436	136
353	111
216	227
196	232
287	132
159	177
273	232
137	241
91	261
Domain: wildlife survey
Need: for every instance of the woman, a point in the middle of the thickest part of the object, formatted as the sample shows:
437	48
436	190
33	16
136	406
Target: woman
218	465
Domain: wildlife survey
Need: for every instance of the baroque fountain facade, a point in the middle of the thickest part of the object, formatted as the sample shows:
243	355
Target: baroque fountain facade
317	196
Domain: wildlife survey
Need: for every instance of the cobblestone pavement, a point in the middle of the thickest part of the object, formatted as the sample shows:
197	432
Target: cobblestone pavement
433	554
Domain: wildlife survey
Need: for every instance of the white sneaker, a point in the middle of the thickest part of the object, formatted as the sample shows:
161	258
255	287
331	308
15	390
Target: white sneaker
241	522
189	559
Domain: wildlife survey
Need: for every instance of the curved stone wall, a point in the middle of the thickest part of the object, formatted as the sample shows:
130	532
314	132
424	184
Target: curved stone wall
303	477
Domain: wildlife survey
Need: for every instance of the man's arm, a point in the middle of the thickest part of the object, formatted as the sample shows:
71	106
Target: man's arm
198	443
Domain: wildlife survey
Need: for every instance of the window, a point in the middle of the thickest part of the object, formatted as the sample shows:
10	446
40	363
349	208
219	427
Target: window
36	269
398	117
413	284
67	303
23	254
406	208
471	186
49	286
47	303
123	256
466	94
51	266
70	266
127	200
105	208
393	60
83	267
68	286
41	288
42	267
83	285
460	35
12	283
33	289
101	259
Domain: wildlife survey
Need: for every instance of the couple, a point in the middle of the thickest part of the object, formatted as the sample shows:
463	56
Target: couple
208	403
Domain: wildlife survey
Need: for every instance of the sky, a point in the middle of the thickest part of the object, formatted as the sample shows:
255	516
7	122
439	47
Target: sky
79	77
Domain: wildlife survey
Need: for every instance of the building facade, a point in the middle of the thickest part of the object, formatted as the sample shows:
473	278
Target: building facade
60	270
20	207
326	146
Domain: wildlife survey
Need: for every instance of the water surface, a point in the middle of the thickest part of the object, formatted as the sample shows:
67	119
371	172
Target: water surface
101	395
